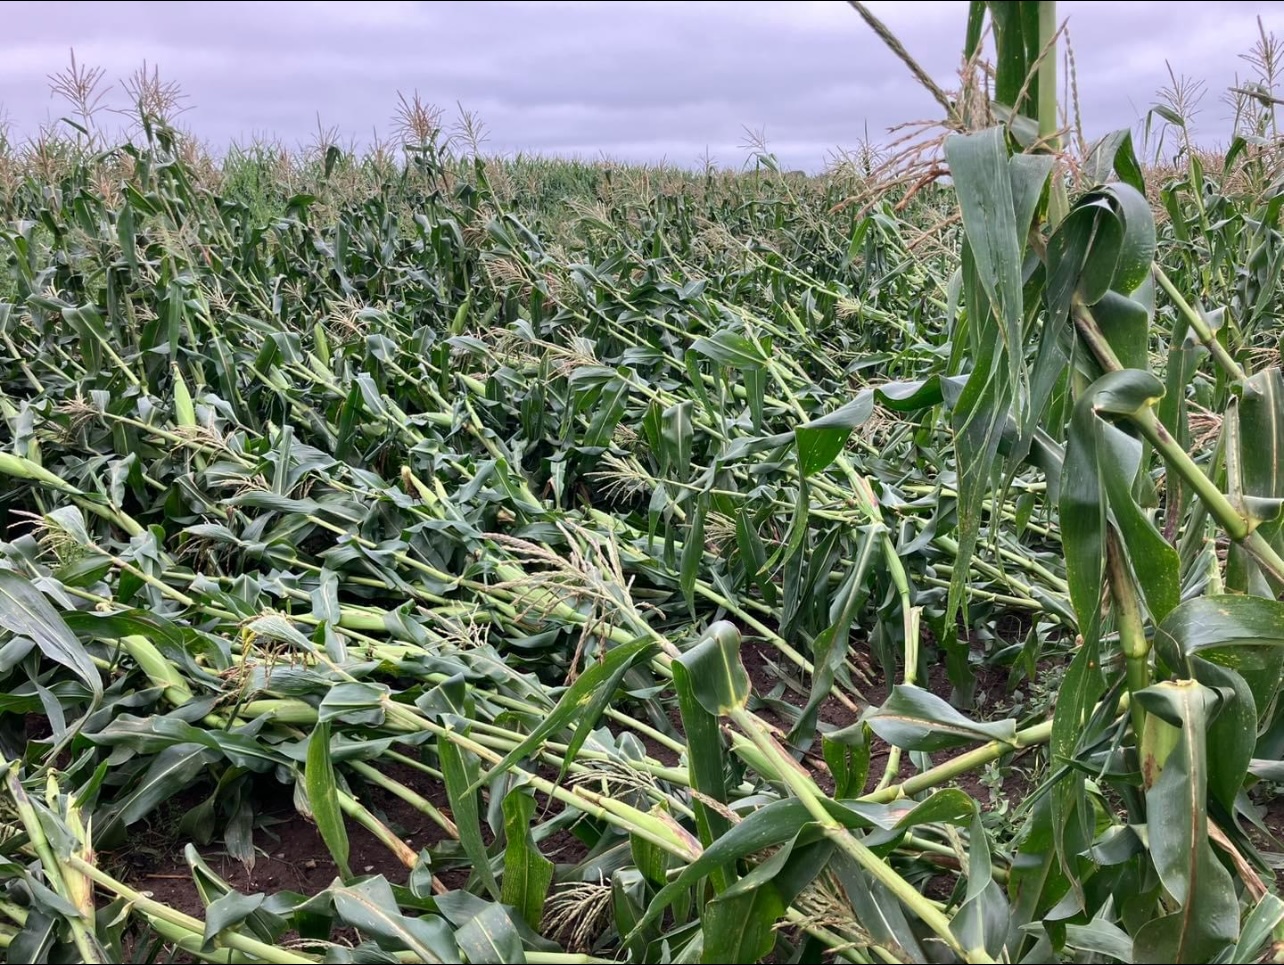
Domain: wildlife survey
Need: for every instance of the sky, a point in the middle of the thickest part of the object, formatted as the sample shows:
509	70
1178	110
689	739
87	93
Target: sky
658	81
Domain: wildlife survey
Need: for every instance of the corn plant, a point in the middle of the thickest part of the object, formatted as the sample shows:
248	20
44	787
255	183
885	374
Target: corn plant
615	521
1173	567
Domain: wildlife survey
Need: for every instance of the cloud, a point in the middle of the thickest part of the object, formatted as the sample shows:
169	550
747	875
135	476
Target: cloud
627	79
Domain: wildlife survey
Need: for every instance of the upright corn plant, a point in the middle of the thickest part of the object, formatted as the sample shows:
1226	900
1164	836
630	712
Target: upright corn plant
1137	848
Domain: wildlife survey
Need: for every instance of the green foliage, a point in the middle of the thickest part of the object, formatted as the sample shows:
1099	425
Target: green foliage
595	503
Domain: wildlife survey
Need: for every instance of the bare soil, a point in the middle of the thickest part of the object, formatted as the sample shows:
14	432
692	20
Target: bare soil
289	852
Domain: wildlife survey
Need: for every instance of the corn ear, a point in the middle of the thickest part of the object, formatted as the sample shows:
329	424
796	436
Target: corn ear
184	410
21	468
159	670
1158	740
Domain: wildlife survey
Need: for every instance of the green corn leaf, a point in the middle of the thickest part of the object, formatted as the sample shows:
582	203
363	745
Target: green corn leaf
1260	415
228	911
945	806
1242	633
212	888
1233	731
829	650
170	772
1102	462
321	784
718	679
1137	245
1235	644
706	762
773	824
371	907
787	819
975	28
608	411
149	735
1257	930
754	556
628	893
979	164
1125	322
848	762
582	702
1206	922
355	702
124	623
857	241
743	928
764	873
915	719
878	910
820	441
25	611
1016	41
1036	882
691	362
1072	820
490	937
527	873
677	439
731	349
1106	244
693	551
997	197
1101	937
981	922
459	770
755	383
1115	153
36	939
1173	413
1082	254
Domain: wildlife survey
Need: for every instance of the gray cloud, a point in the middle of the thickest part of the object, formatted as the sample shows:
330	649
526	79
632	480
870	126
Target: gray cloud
627	79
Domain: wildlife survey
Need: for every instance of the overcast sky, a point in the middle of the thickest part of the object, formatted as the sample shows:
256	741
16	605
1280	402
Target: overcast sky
629	80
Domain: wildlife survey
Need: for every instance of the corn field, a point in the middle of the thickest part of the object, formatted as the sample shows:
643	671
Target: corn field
417	556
